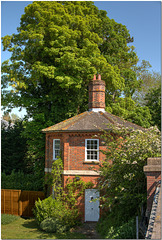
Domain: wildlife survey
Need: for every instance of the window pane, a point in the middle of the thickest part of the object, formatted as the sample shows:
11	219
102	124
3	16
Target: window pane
92	149
57	153
57	141
56	148
88	156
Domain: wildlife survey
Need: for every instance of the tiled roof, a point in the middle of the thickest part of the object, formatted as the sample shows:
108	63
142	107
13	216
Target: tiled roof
91	122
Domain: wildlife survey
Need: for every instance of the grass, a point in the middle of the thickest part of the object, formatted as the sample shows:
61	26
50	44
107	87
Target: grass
28	229
8	218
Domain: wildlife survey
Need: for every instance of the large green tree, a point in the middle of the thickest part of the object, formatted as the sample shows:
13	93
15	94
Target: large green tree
148	79
58	48
13	147
153	102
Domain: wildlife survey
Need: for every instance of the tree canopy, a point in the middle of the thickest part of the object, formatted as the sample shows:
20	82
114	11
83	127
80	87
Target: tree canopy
58	48
14	147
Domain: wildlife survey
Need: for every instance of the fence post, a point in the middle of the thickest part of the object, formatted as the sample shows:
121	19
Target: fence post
137	231
4	200
20	203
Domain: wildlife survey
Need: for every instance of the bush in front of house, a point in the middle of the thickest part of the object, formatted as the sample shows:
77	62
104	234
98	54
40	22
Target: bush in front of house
52	225
56	213
62	209
8	218
113	228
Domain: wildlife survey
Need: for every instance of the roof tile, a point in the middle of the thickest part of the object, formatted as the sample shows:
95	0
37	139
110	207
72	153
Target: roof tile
90	121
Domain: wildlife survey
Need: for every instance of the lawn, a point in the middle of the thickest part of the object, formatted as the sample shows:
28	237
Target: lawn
28	229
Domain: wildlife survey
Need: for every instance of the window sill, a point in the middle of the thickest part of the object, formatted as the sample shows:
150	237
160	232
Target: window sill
91	162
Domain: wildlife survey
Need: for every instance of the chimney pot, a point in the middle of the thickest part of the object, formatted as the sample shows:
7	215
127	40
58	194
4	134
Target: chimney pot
99	77
97	94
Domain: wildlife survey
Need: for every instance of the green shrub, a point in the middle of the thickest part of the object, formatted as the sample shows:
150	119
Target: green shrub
8	218
49	225
125	231
22	181
113	227
52	225
52	208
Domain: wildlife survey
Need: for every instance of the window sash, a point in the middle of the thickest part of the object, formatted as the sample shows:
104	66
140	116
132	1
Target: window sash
92	150
56	148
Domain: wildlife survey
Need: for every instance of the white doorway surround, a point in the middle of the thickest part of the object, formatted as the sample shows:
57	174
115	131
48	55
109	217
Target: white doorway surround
92	210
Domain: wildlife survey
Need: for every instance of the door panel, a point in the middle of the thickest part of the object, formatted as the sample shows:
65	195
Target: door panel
92	210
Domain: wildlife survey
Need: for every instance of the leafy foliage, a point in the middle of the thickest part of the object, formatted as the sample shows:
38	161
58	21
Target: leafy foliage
114	230
153	102
52	225
58	211
13	147
22	181
36	144
74	187
149	80
122	180
62	208
58	48
130	111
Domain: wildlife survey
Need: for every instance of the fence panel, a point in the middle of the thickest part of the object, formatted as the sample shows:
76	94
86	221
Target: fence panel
10	201
19	202
28	199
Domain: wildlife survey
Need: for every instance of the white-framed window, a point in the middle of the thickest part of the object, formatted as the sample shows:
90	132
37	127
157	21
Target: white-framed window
92	149
56	148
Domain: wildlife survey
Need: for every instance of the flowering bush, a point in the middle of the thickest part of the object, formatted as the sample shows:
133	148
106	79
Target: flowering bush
122	180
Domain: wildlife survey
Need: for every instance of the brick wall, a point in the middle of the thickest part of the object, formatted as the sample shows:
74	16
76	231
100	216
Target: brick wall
73	156
153	173
81	200
72	150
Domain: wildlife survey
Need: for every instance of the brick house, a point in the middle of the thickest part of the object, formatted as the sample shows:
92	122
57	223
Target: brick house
78	140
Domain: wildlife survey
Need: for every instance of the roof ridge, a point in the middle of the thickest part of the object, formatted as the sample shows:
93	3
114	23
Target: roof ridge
68	119
125	120
103	114
79	117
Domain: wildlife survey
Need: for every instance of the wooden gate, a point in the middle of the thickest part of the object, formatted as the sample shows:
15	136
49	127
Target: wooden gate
19	202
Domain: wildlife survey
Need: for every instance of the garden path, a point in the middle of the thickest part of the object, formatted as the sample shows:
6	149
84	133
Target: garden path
89	229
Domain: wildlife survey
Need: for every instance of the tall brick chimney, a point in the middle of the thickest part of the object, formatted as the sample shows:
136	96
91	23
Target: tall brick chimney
97	94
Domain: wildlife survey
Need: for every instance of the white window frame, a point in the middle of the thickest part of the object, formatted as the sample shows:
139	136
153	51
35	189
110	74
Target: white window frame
54	149
97	150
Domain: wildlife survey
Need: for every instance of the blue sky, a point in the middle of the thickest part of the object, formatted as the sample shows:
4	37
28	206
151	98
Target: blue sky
142	19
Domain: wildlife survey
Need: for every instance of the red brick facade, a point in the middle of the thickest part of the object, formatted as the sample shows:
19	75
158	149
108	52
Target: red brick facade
73	156
72	150
153	174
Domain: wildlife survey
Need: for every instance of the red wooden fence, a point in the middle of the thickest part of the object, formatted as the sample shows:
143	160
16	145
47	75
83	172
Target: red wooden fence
19	202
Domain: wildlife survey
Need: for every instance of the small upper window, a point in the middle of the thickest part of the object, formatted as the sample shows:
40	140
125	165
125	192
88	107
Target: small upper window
56	148
92	149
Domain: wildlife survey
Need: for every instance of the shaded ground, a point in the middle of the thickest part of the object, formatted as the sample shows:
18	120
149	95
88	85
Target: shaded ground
28	229
89	230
